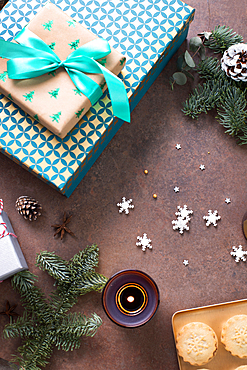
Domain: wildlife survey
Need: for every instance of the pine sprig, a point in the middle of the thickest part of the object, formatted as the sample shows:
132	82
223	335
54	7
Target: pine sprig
45	323
218	90
232	113
54	265
222	38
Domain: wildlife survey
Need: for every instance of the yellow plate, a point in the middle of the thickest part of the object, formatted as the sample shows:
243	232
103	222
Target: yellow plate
214	316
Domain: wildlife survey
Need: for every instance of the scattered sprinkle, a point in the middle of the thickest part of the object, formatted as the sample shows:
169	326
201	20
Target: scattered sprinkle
227	200
238	253
212	218
185	262
125	206
178	146
144	242
155	196
146	172
176	189
202	167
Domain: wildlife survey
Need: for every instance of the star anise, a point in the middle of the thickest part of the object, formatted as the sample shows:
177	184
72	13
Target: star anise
63	228
9	311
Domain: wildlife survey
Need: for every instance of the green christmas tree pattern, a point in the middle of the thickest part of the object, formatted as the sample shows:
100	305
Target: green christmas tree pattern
29	96
48	25
74	44
10	97
78	114
53	73
54	93
102	85
56	117
52	45
72	23
36	117
77	92
122	61
102	62
3	76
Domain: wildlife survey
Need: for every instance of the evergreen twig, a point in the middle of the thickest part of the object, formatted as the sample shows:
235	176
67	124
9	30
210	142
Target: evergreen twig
218	90
45	323
222	38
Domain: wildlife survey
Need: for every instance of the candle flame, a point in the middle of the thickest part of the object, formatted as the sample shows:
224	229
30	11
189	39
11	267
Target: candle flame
130	299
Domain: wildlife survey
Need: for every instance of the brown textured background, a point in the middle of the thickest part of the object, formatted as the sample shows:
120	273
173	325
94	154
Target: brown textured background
147	143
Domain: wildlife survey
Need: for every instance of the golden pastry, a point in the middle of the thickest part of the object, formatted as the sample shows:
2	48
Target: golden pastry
196	343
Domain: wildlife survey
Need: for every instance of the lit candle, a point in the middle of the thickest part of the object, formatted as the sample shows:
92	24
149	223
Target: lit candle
130	298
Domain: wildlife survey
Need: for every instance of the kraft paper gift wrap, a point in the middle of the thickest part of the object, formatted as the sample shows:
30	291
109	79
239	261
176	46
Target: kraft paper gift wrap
52	98
11	256
146	32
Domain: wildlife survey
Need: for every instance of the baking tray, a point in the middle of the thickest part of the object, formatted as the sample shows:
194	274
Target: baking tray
214	316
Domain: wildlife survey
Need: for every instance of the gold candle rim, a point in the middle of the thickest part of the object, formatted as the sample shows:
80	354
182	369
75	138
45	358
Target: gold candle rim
118	302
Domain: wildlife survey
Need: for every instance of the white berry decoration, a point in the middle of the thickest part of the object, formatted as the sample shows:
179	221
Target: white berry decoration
212	218
144	242
125	206
238	253
234	62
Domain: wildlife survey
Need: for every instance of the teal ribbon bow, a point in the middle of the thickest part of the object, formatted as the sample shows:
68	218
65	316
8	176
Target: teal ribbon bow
32	57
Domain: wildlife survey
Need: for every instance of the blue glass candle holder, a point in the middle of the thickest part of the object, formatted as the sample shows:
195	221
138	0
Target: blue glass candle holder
130	298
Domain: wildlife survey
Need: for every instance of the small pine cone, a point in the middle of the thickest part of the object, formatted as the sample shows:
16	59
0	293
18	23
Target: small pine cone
28	207
234	62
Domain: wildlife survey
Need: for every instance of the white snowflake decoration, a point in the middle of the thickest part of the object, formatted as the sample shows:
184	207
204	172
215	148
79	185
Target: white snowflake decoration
228	200
238	253
212	218
185	262
181	224
202	167
178	146
176	189
144	242
125	206
184	212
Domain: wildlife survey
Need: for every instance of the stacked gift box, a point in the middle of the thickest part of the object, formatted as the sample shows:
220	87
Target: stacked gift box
146	34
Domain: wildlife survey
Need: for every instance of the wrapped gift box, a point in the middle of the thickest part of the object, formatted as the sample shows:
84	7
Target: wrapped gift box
146	32
52	98
11	257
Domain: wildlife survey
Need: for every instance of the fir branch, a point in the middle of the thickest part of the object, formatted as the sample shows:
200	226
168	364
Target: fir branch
202	99
54	265
45	323
32	296
85	261
89	283
222	38
232	113
73	327
210	69
23	327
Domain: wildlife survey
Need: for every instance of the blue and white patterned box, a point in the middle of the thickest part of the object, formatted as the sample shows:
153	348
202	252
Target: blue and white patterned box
146	32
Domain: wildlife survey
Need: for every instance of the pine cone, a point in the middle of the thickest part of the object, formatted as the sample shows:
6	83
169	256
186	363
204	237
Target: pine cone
234	62
28	207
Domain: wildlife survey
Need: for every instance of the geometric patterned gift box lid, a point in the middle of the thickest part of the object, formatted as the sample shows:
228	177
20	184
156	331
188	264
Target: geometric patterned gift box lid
146	32
56	97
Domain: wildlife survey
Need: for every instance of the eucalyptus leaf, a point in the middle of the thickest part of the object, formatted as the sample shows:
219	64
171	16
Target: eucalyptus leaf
202	53
195	43
188	74
188	59
180	62
179	78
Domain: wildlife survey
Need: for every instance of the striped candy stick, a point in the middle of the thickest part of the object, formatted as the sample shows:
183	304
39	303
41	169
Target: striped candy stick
5	231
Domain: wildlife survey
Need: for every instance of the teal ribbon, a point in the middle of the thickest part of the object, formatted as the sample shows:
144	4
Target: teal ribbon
32	57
